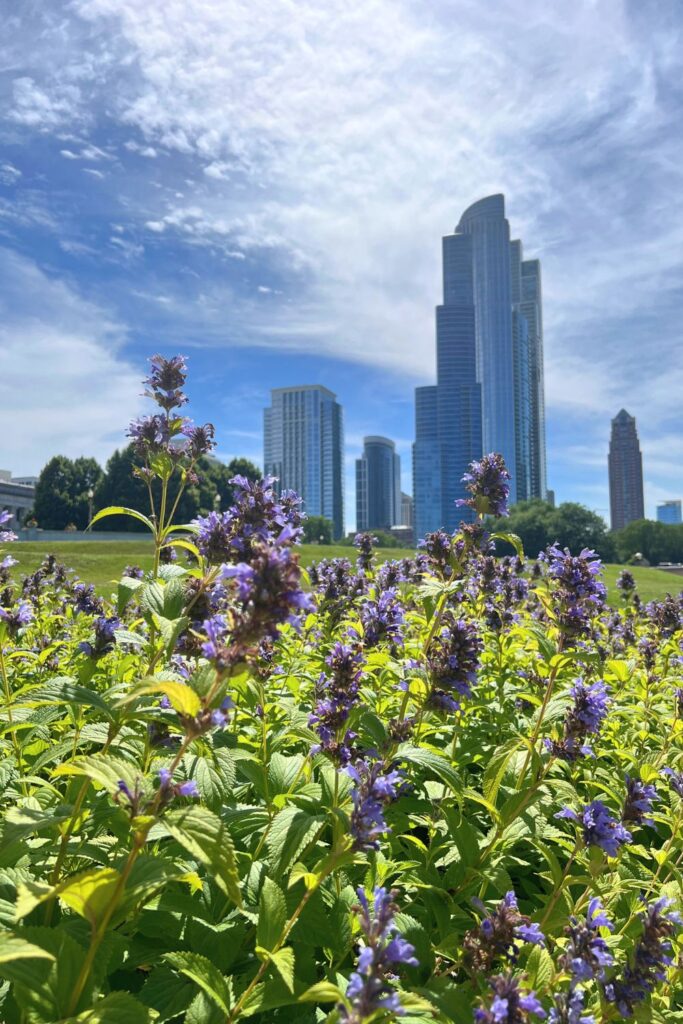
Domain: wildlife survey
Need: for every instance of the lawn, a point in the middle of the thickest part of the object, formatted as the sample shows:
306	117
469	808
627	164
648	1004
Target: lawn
101	562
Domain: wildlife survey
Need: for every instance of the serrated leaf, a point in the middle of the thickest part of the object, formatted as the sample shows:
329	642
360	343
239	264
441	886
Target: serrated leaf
116	1008
205	974
183	700
13	947
322	992
205	837
272	915
290	831
283	962
105	769
90	893
436	763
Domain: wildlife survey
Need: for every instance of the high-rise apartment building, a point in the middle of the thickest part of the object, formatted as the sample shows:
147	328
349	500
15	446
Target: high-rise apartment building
670	512
303	446
625	472
489	391
406	510
378	485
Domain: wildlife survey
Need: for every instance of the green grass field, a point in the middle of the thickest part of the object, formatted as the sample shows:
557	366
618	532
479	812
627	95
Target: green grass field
101	562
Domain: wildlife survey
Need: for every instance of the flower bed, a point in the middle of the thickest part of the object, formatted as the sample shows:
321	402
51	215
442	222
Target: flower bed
449	788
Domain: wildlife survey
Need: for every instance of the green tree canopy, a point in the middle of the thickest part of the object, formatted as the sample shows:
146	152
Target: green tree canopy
317	530
570	525
62	492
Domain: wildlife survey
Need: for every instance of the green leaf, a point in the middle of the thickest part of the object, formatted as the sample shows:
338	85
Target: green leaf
291	830
116	1008
90	893
283	962
272	915
540	968
170	629
205	974
512	539
120	510
104	769
436	764
167	993
183	700
63	690
205	837
496	768
322	992
13	947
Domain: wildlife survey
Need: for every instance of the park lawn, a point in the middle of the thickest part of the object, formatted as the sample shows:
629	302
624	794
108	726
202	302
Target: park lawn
102	562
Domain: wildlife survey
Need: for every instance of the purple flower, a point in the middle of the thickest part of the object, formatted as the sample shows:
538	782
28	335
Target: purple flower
214	536
587	954
369	990
651	957
452	663
166	380
336	694
17	617
6	535
487	484
509	1005
675	780
172	789
365	542
568	1008
638	802
626	582
382	620
105	638
372	791
579	594
585	717
599	828
499	935
149	433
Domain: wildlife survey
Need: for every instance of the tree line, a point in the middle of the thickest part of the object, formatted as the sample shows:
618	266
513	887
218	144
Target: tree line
68	490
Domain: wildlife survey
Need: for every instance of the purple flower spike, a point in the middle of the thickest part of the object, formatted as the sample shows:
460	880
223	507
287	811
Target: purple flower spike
599	827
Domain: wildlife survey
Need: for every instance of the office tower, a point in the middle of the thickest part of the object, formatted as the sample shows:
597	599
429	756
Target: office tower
406	510
625	472
485	224
303	446
378	485
489	391
669	512
426	463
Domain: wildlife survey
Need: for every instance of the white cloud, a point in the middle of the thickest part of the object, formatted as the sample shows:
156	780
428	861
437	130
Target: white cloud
64	387
36	108
9	174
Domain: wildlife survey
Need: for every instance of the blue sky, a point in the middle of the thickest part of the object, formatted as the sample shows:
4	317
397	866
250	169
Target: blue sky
262	185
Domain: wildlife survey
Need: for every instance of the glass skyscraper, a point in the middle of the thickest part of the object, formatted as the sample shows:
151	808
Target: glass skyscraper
670	512
489	391
625	472
303	446
378	485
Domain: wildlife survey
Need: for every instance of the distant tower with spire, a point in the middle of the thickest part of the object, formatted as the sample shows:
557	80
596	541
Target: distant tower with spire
625	472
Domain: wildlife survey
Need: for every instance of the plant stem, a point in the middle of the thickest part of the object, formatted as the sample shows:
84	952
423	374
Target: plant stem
10	719
556	895
541	715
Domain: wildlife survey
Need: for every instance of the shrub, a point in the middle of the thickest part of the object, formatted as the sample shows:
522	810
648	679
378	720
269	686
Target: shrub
446	789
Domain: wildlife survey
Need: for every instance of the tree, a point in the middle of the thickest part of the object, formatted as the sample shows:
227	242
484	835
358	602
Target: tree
570	525
212	490
657	542
317	530
62	492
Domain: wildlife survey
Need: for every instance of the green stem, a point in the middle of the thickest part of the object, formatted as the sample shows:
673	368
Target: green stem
556	895
10	719
539	722
284	935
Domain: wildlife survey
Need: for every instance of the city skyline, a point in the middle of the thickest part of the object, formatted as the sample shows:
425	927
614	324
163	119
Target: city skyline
266	192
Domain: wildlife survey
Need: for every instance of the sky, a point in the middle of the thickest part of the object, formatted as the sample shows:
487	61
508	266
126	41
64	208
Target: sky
262	186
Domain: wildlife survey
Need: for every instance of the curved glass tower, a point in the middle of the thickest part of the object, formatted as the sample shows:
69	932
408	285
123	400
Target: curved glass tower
486	224
489	355
378	485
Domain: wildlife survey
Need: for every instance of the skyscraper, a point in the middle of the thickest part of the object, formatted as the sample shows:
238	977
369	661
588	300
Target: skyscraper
625	472
670	512
303	445
489	390
378	485
486	225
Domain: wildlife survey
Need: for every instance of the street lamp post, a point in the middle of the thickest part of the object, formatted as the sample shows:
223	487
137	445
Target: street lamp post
216	502
91	495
